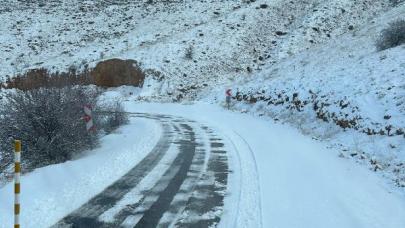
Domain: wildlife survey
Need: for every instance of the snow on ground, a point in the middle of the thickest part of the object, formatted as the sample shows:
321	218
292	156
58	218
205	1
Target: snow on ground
342	92
314	60
50	193
302	183
280	178
225	38
285	48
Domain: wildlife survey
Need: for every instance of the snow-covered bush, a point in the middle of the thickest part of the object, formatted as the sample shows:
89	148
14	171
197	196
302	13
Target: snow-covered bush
113	117
392	36
50	123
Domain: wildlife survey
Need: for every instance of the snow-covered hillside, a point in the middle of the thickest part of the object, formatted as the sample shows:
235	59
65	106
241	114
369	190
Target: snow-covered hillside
343	91
226	38
310	63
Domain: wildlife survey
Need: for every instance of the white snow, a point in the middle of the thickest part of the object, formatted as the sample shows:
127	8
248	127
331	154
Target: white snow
50	193
328	48
279	178
301	183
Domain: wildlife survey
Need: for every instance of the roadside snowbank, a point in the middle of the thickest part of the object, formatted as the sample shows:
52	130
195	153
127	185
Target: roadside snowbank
50	193
302	183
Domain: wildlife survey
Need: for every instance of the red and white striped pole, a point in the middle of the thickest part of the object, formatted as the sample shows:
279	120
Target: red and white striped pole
88	118
17	186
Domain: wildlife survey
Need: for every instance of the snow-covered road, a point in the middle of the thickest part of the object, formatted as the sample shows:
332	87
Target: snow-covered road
199	165
181	182
281	178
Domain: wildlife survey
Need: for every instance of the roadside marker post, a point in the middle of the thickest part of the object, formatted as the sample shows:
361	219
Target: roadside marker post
17	186
228	98
88	118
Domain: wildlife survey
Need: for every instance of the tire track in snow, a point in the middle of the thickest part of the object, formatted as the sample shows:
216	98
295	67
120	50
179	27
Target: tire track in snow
194	184
248	211
205	207
187	188
86	215
187	146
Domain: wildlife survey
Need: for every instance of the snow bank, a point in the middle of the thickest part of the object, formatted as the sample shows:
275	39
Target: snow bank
50	193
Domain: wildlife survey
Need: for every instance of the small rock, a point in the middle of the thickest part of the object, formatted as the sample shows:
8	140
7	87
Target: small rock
263	6
280	33
377	167
373	161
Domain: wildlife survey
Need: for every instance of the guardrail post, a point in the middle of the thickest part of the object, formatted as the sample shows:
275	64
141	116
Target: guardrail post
17	186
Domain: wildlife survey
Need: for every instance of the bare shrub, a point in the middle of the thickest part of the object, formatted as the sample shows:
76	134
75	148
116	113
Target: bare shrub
392	36
113	116
49	122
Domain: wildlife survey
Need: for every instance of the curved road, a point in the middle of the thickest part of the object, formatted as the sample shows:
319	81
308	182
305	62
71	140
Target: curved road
189	193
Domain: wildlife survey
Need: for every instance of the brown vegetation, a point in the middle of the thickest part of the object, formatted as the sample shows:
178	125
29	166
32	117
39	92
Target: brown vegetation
116	72
109	73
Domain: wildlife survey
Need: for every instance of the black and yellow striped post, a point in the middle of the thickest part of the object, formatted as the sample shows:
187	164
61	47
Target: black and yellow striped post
17	187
